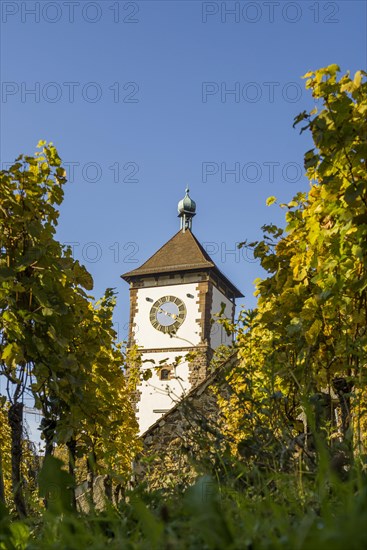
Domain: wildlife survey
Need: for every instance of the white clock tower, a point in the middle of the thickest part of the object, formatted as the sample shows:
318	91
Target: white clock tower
174	297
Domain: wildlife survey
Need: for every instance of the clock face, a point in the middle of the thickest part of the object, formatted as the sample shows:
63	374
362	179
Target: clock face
167	314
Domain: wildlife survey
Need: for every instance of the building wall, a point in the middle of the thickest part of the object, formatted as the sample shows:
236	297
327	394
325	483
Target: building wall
202	300
218	335
158	396
188	334
188	437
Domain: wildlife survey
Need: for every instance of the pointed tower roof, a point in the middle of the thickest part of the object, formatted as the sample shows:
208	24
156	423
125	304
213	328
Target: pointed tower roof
181	253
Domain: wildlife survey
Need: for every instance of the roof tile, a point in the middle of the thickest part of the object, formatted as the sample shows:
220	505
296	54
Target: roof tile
181	253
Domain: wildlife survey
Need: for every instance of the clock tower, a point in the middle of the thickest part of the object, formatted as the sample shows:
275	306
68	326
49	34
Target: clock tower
174	297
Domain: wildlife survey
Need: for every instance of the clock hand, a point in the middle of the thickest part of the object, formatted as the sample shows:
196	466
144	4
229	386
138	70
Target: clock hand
173	315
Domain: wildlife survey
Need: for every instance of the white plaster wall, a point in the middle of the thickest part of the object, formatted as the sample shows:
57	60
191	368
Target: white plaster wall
160	394
187	334
218	335
164	394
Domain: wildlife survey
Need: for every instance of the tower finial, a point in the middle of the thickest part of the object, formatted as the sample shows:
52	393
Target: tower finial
186	211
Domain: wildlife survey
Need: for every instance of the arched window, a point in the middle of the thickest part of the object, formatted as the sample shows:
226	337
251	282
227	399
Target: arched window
164	374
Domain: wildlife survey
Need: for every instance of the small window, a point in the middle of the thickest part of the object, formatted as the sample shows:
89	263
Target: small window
164	374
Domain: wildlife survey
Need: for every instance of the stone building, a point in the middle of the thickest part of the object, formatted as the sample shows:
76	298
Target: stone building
187	440
175	299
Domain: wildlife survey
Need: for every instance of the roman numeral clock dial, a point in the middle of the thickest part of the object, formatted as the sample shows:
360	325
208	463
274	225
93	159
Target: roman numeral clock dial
167	314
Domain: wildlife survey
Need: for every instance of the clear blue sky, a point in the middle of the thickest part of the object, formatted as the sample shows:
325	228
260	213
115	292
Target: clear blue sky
174	122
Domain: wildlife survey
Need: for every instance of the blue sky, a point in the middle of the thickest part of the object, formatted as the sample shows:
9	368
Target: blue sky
137	98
